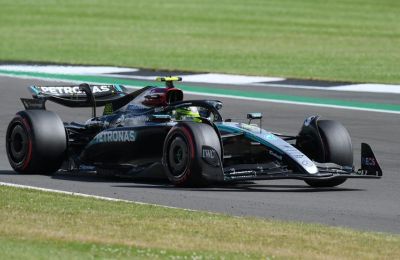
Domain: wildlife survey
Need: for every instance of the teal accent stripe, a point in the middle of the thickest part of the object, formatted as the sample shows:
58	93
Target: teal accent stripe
240	94
118	87
248	135
34	89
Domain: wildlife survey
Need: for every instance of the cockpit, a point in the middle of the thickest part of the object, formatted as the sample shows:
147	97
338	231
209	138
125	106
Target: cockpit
162	104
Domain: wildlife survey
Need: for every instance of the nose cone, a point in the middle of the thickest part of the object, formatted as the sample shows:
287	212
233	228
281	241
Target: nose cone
309	166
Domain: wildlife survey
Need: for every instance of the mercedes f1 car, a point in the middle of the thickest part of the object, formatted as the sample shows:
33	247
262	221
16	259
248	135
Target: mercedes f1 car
154	129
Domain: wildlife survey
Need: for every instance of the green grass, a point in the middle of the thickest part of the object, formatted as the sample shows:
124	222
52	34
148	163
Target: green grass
356	40
37	224
21	248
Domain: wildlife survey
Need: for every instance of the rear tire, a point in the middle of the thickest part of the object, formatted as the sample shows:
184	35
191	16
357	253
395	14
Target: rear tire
337	149
36	142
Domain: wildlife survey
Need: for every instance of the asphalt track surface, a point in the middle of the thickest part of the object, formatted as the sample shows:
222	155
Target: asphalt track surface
361	204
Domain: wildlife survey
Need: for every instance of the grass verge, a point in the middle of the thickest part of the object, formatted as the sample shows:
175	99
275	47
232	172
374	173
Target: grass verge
36	224
356	40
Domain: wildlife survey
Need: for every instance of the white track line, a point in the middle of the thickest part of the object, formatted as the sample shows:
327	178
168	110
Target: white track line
359	88
294	102
7	184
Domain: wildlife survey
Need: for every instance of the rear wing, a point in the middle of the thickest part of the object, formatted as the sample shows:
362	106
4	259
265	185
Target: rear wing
83	95
78	95
112	97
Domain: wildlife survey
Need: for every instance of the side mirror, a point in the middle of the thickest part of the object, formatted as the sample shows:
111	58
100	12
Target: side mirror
215	103
252	116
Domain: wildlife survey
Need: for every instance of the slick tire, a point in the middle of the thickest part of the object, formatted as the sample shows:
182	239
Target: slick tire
338	149
182	153
36	142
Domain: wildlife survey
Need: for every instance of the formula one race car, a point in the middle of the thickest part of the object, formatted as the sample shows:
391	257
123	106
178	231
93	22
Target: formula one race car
154	129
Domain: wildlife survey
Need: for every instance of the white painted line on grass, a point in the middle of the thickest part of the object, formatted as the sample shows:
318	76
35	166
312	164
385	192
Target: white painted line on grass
41	78
211	78
53	69
228	79
78	194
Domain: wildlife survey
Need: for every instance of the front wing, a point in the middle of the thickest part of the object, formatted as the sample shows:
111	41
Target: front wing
370	169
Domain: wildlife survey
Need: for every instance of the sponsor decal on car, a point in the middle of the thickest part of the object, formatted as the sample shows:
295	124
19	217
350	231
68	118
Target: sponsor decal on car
210	156
115	136
62	90
368	161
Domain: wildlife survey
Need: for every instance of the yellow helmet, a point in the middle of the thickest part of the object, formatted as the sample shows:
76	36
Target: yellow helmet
186	113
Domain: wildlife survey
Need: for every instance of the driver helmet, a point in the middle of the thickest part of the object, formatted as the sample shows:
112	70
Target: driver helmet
187	113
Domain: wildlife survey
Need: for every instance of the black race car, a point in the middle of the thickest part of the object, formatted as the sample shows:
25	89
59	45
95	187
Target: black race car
154	130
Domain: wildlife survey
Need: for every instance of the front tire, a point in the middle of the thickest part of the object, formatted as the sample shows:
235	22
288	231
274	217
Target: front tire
336	148
182	159
36	142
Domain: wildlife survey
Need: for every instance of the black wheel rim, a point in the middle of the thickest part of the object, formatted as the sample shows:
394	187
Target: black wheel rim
17	144
178	156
